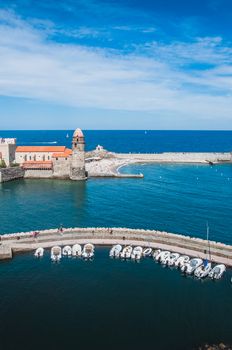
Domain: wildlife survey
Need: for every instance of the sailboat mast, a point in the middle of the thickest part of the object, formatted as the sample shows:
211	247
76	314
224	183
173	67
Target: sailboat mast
207	226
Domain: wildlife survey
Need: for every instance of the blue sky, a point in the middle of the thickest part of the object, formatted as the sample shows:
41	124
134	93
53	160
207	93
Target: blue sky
160	64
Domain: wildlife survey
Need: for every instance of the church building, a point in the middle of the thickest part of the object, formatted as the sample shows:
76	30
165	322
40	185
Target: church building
54	161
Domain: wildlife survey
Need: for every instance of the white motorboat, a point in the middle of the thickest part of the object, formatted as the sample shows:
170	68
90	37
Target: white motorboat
39	252
182	261
192	265
164	257
88	251
76	250
137	253
203	270
147	252
172	259
56	253
156	254
67	250
217	272
115	250
126	252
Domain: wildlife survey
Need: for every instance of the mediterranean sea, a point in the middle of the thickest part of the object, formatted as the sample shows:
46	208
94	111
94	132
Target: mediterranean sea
110	303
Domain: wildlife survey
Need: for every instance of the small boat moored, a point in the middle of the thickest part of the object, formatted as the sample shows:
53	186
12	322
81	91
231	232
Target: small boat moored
217	272
182	261
203	270
126	252
56	253
137	253
147	252
193	264
67	250
172	259
156	254
88	251
115	251
76	250
164	257
39	252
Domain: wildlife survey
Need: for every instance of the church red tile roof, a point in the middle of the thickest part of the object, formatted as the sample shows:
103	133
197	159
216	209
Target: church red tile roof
65	154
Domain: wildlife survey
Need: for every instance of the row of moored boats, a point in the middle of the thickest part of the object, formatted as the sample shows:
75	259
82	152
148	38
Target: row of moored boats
87	252
191	266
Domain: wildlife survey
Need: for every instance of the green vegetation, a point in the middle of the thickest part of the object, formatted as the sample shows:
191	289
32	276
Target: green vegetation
2	163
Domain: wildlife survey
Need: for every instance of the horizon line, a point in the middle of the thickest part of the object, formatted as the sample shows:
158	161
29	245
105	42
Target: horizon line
209	130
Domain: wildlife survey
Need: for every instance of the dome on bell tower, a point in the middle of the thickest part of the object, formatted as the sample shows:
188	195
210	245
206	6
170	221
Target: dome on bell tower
78	133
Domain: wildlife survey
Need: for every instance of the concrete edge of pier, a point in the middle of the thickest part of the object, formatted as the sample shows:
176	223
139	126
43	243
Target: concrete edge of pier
28	241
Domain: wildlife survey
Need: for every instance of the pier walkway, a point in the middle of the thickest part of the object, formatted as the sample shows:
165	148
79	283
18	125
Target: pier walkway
26	241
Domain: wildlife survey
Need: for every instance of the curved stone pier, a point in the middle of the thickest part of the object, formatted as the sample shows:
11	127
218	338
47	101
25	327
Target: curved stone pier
26	241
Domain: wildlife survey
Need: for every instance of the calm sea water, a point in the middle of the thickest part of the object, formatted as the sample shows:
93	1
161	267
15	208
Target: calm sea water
132	141
108	303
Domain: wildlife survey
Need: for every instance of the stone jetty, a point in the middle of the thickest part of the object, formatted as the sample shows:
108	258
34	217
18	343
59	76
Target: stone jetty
101	163
28	241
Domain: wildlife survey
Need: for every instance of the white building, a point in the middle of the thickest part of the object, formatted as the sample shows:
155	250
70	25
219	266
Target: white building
7	150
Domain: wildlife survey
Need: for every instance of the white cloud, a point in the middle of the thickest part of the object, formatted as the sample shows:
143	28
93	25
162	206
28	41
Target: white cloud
152	79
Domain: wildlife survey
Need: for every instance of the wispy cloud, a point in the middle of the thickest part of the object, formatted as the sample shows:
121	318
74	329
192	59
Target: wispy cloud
130	28
152	78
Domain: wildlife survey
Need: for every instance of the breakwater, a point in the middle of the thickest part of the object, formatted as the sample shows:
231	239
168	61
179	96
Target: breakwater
178	157
107	164
28	241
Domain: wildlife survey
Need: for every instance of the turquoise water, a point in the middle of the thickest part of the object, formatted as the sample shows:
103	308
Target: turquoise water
109	303
175	198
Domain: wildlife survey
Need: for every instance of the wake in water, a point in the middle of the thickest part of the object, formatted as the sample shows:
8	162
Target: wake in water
40	143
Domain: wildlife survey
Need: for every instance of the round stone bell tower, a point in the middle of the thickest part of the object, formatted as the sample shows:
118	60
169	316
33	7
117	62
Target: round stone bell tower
77	168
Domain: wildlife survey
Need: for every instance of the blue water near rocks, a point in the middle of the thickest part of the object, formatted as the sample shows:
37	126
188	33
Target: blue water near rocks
108	303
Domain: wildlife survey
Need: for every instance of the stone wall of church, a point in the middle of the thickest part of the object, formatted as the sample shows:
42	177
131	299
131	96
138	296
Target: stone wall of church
61	167
38	173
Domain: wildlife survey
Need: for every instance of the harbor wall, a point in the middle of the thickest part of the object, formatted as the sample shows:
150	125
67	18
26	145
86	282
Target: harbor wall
5	252
25	241
38	173
178	157
12	173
